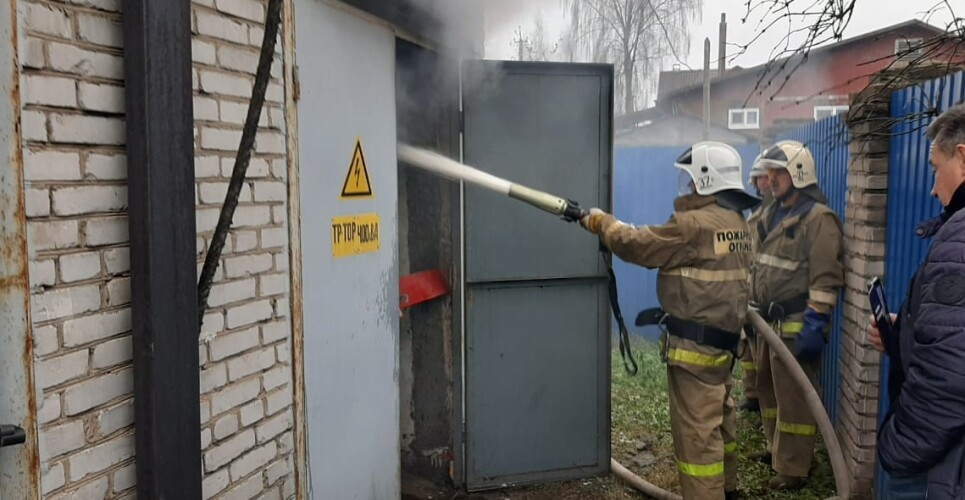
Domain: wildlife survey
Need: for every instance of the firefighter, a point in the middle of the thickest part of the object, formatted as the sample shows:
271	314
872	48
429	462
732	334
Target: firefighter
796	279
758	181
703	254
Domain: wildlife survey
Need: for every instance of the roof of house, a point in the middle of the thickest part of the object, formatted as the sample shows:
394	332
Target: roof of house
657	128
756	71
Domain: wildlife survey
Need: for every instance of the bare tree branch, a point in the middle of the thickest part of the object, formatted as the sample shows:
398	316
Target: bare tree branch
635	35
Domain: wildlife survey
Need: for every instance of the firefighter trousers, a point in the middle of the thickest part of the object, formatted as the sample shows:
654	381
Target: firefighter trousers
749	366
703	418
789	427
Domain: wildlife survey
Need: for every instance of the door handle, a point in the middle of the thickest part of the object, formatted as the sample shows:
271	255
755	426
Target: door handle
11	435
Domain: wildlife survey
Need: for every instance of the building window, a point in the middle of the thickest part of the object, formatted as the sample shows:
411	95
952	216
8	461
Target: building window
822	112
909	48
744	118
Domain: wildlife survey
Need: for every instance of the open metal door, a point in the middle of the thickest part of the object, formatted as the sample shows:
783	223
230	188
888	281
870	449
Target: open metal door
537	322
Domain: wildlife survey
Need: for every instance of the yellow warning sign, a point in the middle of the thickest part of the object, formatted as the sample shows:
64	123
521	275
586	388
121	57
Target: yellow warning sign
355	234
357	184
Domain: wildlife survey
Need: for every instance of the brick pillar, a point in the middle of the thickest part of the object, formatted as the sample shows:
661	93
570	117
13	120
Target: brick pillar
865	243
865	235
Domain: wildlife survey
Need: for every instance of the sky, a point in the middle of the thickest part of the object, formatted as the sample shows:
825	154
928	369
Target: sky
505	17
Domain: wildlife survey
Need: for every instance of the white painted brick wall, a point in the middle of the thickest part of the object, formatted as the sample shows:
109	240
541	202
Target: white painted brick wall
97	327
106	167
101	457
46	165
100	97
57	370
100	30
223	453
234	396
82	62
97	391
96	488
38	202
89	200
63	438
83	129
111	420
76	175
113	353
50	91
34	126
43	273
45	340
106	231
53	478
80	266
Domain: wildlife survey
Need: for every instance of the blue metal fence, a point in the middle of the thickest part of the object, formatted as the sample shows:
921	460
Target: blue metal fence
644	188
828	141
910	179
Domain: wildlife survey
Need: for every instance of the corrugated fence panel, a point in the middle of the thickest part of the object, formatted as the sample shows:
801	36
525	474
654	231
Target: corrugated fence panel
828	141
910	180
644	188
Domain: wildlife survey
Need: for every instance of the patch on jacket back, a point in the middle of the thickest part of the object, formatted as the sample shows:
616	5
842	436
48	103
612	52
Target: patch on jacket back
733	241
950	289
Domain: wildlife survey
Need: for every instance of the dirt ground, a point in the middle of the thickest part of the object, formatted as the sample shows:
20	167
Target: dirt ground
640	440
602	488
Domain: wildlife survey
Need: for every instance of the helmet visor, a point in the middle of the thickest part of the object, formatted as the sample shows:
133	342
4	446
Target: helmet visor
685	184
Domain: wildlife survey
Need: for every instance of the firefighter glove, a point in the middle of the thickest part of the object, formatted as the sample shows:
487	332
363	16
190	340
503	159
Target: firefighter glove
810	342
593	220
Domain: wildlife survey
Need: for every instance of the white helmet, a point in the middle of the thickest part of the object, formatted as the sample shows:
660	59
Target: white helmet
757	168
794	157
713	167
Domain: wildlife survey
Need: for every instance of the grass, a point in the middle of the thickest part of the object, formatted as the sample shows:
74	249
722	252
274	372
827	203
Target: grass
640	414
641	427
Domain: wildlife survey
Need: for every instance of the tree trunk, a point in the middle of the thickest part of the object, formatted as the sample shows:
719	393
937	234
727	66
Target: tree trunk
628	86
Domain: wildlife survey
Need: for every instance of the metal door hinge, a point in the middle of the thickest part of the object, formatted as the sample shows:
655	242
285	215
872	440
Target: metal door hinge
11	435
296	85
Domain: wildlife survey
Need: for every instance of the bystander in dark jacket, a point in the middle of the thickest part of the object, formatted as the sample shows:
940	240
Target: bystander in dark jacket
924	433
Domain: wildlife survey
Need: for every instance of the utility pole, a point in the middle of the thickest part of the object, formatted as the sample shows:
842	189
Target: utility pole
722	46
519	42
706	88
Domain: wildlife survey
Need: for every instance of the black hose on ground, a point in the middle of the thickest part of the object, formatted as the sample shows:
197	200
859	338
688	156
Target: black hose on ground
245	149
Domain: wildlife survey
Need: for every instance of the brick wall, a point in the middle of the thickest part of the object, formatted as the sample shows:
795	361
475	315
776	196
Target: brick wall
865	243
866	234
75	170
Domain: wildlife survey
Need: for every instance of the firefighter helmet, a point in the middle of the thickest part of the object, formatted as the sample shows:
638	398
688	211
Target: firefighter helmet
712	166
794	157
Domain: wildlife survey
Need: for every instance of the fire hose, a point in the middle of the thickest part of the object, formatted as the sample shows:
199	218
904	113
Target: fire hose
841	477
838	466
571	211
567	209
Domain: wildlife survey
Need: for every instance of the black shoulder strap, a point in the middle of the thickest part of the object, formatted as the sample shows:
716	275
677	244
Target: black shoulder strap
625	349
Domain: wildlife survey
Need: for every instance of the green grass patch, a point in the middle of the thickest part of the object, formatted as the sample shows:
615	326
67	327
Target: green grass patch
641	417
641	441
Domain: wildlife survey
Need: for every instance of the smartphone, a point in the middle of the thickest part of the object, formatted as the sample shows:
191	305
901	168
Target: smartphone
879	308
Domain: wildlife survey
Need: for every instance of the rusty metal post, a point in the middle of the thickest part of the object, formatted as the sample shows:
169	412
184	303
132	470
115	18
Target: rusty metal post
19	465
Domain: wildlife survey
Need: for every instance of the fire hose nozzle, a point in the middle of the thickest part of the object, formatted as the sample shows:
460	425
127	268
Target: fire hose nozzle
573	212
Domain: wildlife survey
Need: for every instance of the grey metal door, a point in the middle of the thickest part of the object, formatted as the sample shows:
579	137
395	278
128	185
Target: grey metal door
537	318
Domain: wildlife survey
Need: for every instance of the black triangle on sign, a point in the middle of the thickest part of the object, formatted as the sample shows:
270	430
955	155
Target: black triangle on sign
357	180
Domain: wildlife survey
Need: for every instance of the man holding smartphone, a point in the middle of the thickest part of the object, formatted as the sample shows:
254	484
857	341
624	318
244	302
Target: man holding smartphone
922	440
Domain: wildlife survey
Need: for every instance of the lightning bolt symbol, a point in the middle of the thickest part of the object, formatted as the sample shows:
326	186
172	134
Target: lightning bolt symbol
358	171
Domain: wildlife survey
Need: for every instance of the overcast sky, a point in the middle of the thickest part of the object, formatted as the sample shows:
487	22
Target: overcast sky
504	17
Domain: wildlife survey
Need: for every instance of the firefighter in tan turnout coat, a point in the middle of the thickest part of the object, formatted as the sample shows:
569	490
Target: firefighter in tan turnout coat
703	254
760	183
797	276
